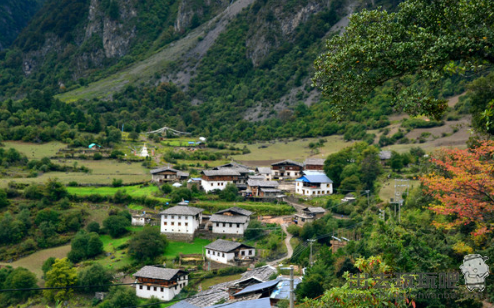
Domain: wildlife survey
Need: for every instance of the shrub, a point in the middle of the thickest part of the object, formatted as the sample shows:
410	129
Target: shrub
294	230
117	182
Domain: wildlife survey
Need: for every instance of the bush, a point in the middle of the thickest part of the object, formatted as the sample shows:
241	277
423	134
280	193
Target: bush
116	225
117	182
97	156
294	230
147	244
93	227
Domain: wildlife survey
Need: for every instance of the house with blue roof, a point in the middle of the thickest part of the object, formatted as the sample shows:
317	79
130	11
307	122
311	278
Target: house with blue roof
314	184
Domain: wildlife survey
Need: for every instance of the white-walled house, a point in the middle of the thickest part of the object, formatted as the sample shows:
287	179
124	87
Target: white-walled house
230	221
286	169
162	283
225	252
218	179
181	222
167	174
314	184
265	172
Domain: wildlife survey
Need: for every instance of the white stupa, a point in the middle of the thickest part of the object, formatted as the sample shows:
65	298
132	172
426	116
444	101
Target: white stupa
144	152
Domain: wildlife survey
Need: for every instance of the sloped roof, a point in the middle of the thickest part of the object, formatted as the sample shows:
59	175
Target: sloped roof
233	165
257	303
263	273
162	169
262	183
236	209
282	290
225	246
183	304
229	219
257	177
263	170
312	172
288	162
155	272
315	209
225	171
258	287
182	210
385	155
314	161
315	178
183	174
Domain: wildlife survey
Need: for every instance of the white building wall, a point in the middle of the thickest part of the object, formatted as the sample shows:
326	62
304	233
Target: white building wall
145	291
138	221
226	229
220	257
324	189
185	224
212	185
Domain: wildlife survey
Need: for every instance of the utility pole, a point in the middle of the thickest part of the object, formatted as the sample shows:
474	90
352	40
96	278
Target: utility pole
368	201
310	258
291	288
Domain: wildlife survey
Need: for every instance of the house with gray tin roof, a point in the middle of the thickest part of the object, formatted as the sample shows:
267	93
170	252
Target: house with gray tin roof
159	282
257	303
167	174
232	221
314	164
181	222
218	179
226	252
286	169
262	189
265	172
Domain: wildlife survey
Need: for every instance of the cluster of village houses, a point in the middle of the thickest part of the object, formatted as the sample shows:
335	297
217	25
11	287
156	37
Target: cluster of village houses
184	222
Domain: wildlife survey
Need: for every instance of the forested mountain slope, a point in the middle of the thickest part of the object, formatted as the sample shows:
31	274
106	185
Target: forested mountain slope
14	16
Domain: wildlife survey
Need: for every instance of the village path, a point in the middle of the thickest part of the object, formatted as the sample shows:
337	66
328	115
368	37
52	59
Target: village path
289	247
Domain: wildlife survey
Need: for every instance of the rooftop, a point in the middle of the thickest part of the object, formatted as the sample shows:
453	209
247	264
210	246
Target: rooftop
257	303
288	162
162	169
263	170
155	272
183	304
237	210
229	219
182	210
252	182
314	161
224	245
258	287
385	155
225	171
315	178
315	209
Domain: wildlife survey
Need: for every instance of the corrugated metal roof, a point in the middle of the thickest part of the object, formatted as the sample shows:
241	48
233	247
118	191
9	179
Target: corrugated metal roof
282	290
183	304
224	245
263	170
255	183
314	161
315	178
236	209
157	170
228	219
258	287
257	303
288	162
157	272
221	172
182	210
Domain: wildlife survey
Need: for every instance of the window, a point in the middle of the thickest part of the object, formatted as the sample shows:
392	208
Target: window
212	184
140	287
173	223
243	253
179	217
165	223
186	224
162	290
238	225
231	225
173	216
223	255
149	288
154	288
250	252
175	287
179	223
217	224
214	253
209	252
224	224
166	216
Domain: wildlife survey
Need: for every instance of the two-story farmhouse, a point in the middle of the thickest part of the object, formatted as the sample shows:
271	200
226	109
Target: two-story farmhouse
226	252
309	214
314	164
265	172
263	189
162	283
167	174
286	169
218	179
314	184
232	221
241	181
180	222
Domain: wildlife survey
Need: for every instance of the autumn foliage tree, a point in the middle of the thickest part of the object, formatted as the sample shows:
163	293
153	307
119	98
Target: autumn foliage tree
463	185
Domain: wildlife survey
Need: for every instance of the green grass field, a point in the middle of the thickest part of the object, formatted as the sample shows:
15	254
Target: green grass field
35	150
175	248
296	150
134	191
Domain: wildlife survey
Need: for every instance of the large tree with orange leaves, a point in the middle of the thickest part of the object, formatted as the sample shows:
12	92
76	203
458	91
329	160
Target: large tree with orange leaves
463	185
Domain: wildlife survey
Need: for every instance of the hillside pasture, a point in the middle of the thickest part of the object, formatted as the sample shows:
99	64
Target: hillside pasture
35	150
134	191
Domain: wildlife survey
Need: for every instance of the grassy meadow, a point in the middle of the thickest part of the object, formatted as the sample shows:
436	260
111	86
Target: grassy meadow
134	191
34	150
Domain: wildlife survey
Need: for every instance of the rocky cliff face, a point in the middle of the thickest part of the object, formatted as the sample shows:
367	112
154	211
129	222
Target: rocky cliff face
277	26
191	13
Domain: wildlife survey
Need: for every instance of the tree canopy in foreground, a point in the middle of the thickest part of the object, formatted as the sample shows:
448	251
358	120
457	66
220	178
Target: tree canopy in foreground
464	187
425	39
